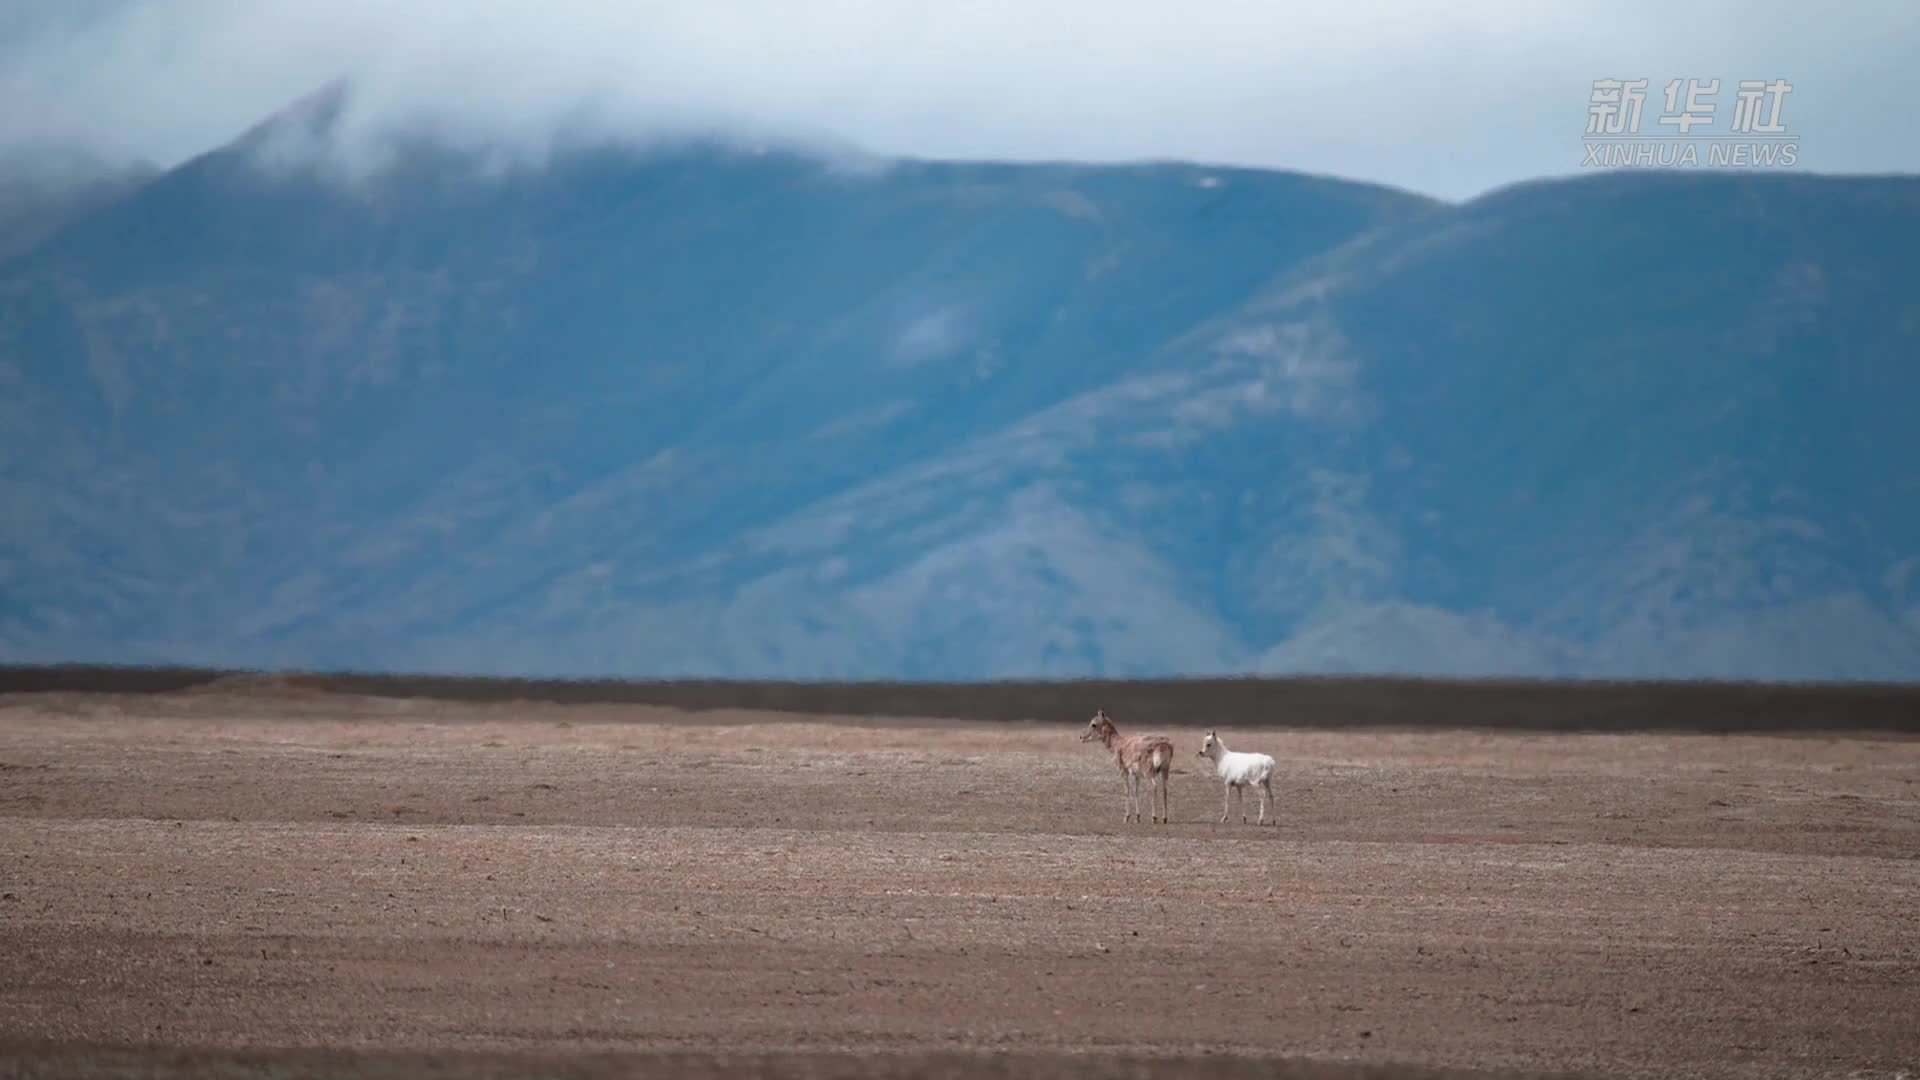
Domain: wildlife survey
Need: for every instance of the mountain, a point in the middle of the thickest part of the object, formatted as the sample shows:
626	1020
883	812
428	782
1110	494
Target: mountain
708	408
44	187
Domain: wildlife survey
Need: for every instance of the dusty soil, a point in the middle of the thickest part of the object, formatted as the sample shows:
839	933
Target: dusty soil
232	882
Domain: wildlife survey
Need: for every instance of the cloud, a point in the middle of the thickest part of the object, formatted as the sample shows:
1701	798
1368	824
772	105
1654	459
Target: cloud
930	336
1445	98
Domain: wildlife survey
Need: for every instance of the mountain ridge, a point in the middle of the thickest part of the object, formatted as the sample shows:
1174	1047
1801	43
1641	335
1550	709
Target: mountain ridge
688	412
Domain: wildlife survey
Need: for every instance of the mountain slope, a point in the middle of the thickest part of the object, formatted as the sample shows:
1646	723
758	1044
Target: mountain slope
1713	472
43	188
1419	453
255	413
709	409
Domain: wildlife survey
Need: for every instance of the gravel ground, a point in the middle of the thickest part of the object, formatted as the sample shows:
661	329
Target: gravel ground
285	883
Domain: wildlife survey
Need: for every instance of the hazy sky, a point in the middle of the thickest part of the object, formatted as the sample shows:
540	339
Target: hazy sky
1449	97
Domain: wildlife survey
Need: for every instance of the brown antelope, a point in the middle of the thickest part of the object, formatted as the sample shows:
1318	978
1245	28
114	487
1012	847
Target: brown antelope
1137	755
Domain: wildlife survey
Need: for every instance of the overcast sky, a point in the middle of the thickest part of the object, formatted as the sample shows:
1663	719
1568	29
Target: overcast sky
1448	97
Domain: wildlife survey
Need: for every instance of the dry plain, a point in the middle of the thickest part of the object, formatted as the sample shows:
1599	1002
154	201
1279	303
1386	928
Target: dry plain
261	880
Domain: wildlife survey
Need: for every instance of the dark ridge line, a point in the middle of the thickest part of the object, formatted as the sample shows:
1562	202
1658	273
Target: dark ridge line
1297	701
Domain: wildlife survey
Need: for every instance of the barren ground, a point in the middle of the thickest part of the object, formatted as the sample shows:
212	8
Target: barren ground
232	883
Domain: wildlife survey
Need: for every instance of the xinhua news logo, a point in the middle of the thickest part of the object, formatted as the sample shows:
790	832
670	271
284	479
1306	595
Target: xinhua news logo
1690	131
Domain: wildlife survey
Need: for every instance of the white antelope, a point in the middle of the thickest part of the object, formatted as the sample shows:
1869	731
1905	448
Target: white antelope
1236	771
